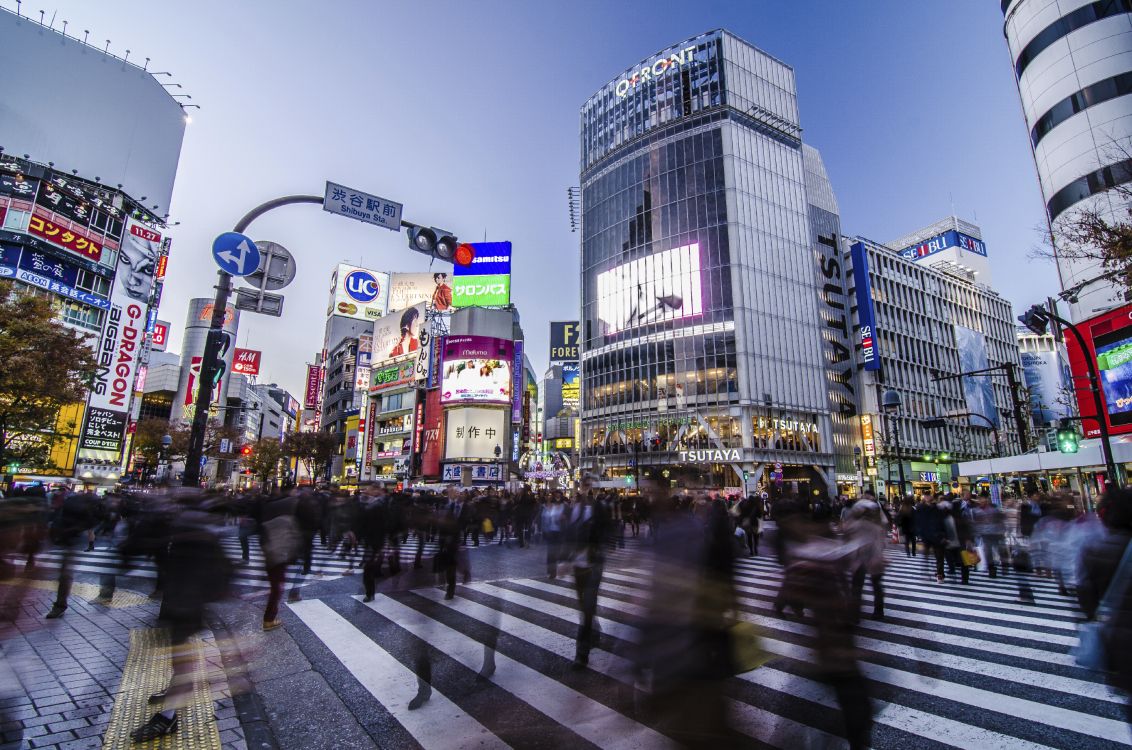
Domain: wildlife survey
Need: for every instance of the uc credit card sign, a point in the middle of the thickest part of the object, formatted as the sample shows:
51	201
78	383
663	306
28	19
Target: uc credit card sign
492	259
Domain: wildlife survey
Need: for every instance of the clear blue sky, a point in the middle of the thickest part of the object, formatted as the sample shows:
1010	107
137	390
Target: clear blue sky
467	112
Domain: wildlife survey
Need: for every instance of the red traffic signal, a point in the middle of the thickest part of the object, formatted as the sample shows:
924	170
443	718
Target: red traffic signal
246	450
465	254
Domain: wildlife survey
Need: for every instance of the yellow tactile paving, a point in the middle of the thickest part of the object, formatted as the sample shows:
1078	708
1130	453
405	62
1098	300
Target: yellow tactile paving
86	591
147	671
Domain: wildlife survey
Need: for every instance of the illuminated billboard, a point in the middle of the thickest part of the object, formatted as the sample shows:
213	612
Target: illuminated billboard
358	292
411	289
476	369
1109	338
398	334
659	287
571	385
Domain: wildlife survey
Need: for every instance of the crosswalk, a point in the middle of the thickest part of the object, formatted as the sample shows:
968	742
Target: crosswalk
950	666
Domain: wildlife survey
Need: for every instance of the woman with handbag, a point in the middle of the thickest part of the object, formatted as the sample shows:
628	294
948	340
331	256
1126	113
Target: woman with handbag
1105	594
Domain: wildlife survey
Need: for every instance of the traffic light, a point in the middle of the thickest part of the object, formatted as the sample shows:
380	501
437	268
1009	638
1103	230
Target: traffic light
1036	319
1067	439
746	475
440	244
246	451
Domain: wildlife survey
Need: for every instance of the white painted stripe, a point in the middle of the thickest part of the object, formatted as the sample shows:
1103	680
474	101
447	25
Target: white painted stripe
1018	708
755	722
441	723
592	720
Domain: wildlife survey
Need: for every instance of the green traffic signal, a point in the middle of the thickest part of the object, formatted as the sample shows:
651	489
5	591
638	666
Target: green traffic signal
1067	441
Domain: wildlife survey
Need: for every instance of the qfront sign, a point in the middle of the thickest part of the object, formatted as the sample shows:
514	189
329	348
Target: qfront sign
711	455
661	66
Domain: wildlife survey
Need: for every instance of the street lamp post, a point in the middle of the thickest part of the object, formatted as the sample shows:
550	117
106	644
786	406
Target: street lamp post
891	403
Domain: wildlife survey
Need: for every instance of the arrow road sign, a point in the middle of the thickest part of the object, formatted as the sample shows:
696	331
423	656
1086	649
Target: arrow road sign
235	253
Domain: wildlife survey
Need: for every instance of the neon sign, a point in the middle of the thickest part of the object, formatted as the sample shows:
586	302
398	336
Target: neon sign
656	70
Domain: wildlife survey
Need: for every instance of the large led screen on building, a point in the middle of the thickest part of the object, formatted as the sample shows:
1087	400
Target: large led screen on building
656	288
1114	366
1108	337
476	369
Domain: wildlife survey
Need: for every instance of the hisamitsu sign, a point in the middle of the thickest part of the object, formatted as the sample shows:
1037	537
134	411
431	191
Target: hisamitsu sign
354	204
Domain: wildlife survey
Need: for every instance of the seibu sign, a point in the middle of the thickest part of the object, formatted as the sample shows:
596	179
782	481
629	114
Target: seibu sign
655	70
711	455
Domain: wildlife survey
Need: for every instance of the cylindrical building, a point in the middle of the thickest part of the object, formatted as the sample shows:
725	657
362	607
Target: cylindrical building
706	359
1073	63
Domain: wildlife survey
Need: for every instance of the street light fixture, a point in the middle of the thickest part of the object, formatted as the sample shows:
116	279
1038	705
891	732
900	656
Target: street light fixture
891	402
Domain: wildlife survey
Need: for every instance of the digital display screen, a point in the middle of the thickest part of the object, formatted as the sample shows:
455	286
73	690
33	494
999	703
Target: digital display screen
659	287
1114	365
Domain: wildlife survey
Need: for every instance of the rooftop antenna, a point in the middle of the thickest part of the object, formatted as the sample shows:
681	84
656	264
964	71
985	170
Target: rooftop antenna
146	67
64	28
52	24
106	49
127	57
86	33
18	3
41	18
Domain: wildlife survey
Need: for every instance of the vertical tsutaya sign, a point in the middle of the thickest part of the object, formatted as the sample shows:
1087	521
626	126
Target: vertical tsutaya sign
565	338
655	69
866	317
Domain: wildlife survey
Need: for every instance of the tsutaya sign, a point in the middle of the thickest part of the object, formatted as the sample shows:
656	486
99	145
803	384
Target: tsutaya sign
656	70
716	455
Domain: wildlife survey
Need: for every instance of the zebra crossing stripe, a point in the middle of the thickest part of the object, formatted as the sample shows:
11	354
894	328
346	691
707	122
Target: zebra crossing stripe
900	717
594	721
1016	708
751	720
393	684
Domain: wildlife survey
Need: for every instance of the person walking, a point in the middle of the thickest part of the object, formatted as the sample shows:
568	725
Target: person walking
77	514
281	539
865	532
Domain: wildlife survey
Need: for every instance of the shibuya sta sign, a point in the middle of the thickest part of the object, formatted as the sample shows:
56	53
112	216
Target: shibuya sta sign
711	455
655	70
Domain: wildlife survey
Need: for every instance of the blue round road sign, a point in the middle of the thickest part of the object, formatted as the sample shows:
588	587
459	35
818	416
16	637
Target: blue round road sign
235	253
362	286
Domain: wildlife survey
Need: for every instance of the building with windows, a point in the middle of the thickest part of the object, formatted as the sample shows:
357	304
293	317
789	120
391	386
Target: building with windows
83	201
917	324
710	279
1073	65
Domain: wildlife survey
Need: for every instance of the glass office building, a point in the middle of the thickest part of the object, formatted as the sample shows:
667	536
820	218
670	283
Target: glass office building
709	357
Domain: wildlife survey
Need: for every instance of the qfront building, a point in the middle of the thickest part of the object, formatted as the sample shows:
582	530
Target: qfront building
715	345
1073	64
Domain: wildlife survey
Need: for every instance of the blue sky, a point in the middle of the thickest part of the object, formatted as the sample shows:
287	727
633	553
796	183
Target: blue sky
467	112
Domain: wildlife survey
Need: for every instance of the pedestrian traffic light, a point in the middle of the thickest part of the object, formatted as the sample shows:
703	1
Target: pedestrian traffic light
1036	319
440	244
1067	440
746	475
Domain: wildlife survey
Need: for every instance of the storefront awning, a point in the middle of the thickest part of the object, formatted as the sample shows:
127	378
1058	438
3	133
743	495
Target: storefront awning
1089	456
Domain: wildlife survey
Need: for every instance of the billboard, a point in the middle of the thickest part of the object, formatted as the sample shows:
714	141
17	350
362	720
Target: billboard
137	260
945	241
398	334
89	111
392	375
431	441
517	385
410	289
481	291
160	338
659	287
866	316
571	385
492	259
310	389
475	434
1046	375
358	292
35	267
977	391
476	369
103	430
1114	368
246	361
565	339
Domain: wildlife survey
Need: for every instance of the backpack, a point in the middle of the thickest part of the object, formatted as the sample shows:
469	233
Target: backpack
280	540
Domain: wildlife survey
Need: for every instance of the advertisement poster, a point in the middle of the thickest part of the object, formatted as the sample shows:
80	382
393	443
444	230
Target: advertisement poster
476	369
475	434
160	338
1114	365
571	385
656	288
409	289
565	339
103	430
392	375
481	291
358	292
310	390
865	312
68	239
398	334
978	392
1047	380
246	361
431	435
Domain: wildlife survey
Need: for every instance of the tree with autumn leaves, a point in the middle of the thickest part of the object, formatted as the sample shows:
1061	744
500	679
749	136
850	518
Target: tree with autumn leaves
46	366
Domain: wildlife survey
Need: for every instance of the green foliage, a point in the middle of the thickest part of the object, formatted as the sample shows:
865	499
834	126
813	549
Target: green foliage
46	367
264	459
314	449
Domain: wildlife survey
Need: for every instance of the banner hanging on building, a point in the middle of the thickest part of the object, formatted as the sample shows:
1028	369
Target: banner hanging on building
866	316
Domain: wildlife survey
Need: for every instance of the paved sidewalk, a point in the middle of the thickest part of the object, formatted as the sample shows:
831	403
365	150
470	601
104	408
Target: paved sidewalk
60	679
